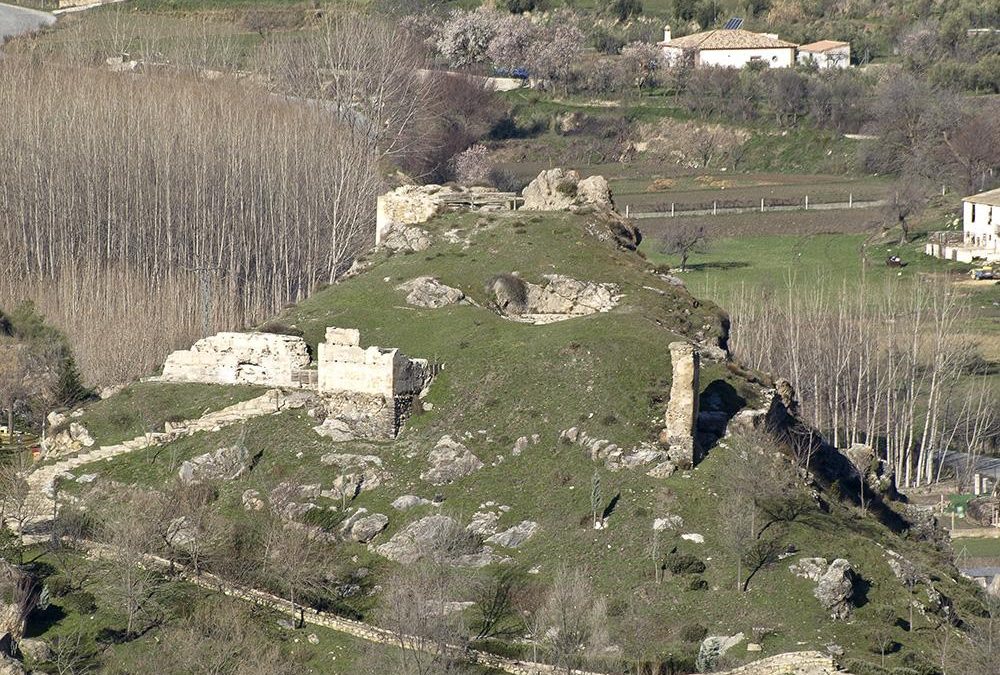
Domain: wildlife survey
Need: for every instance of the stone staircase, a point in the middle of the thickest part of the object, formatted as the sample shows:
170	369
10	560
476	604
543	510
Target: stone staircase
40	503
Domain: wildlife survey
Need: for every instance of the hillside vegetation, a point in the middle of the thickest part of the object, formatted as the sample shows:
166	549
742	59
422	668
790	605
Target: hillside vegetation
607	374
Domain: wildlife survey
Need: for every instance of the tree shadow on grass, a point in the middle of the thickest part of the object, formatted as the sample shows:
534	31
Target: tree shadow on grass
719	265
41	620
609	509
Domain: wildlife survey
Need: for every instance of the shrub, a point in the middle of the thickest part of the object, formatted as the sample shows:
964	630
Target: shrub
567	187
325	519
684	563
81	602
698	584
59	586
509	292
693	632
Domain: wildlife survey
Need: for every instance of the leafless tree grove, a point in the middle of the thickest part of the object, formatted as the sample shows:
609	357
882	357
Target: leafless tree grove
882	365
139	210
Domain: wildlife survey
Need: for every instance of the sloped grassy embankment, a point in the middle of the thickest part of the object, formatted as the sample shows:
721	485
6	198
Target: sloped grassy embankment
607	374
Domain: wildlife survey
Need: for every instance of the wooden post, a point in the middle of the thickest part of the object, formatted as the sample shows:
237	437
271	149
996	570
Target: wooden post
807	202
671	209
850	200
715	206
762	205
626	210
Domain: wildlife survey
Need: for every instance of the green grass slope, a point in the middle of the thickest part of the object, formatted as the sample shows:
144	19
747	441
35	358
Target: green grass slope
609	375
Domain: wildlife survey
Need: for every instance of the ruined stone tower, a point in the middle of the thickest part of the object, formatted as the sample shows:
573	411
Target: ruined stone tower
682	410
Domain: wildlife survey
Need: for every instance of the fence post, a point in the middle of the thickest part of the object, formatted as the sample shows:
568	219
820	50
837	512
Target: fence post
762	205
671	209
715	206
850	200
807	202
626	210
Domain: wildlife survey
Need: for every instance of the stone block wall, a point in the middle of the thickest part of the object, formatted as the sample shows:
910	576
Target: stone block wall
681	418
345	367
263	359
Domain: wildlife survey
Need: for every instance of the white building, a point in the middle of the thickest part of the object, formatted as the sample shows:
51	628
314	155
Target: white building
729	48
826	54
980	235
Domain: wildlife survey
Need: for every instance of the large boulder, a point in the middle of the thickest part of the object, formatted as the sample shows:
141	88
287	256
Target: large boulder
402	239
515	536
562	190
360	472
449	461
430	293
70	440
834	583
435	535
367	528
222	464
565	295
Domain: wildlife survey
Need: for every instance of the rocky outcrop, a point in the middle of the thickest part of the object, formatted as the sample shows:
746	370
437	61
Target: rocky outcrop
366	528
561	190
360	472
423	537
71	440
681	419
834	583
407	502
222	464
558	298
239	358
449	461
616	458
406	240
430	293
515	536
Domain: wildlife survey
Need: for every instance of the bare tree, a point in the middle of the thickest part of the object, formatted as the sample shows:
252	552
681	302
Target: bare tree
295	559
905	200
123	566
573	620
683	240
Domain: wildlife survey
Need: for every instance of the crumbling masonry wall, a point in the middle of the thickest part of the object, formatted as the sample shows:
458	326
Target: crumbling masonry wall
345	367
681	418
264	359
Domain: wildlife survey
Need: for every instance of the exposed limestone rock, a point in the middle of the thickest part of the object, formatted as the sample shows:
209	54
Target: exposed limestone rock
515	536
69	441
594	191
222	464
682	410
252	501
836	588
406	502
564	295
615	458
560	190
430	293
36	649
10	666
668	522
834	583
876	472
403	239
239	358
181	533
415	204
450	460
484	523
361	472
431	534
367	528
792	663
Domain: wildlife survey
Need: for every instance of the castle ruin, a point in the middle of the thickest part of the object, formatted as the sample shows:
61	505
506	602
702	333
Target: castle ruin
681	418
366	392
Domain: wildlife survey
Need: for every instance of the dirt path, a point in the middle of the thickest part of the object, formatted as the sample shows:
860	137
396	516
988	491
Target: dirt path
40	503
16	21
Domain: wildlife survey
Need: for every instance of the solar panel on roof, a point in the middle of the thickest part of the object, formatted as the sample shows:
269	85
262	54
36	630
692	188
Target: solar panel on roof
734	23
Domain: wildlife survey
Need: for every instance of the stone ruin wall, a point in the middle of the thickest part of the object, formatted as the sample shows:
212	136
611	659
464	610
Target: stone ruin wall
681	419
415	204
370	391
345	367
263	359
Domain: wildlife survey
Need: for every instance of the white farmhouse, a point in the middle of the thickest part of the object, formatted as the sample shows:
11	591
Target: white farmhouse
729	48
826	54
980	235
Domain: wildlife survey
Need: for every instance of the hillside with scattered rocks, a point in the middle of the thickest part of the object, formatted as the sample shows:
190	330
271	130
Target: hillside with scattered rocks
538	443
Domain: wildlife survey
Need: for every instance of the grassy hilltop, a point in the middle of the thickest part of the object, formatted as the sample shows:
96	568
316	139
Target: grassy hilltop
608	374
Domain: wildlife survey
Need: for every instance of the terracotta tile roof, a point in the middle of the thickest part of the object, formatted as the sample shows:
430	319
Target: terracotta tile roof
991	198
727	39
823	46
